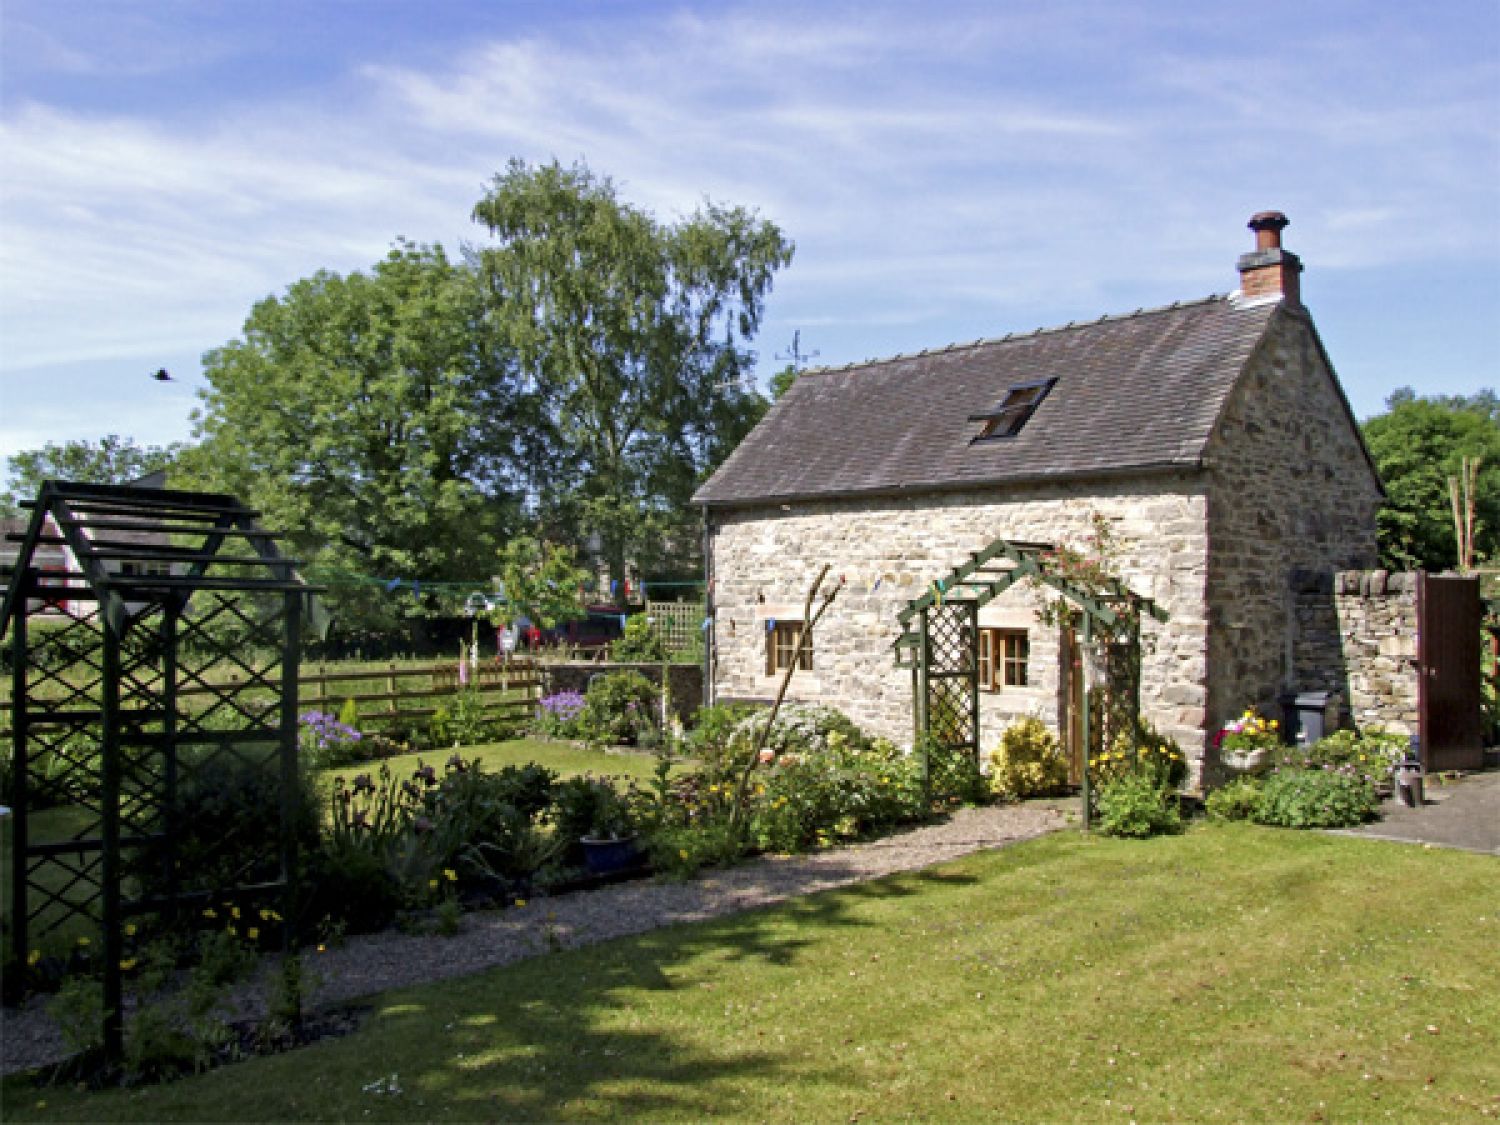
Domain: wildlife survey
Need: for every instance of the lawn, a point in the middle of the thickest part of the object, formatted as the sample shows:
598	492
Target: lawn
1233	973
566	758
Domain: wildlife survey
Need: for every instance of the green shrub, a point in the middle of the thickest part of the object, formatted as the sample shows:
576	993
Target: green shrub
328	742
1028	762
679	851
1236	801
1153	755
588	806
619	707
954	777
1315	799
350	889
463	721
800	728
848	790
468	808
640	643
1135	805
1370	754
225	824
560	715
715	727
358	877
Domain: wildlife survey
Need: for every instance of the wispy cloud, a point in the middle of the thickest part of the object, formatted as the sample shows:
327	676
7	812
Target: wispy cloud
946	173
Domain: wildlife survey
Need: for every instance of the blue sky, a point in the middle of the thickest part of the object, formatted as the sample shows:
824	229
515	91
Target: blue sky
947	171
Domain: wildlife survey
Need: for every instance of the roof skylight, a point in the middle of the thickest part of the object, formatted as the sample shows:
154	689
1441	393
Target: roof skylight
1014	411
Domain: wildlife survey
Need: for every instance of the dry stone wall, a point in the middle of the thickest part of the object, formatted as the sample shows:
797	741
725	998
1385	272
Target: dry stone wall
1357	638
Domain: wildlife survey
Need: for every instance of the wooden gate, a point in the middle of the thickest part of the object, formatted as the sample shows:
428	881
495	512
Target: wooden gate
1448	616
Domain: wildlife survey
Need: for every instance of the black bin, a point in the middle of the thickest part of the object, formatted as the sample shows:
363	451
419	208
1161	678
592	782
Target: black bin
1309	716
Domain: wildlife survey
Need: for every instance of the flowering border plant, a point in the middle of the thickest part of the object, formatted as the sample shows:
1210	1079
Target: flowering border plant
1248	733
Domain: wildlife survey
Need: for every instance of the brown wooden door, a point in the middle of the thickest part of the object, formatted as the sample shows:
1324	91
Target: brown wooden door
1448	616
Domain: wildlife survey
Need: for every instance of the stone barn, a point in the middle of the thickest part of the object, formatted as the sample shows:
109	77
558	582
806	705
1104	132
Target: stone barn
1211	437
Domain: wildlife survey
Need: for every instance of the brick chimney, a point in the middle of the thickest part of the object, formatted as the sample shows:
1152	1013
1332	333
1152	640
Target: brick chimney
1270	272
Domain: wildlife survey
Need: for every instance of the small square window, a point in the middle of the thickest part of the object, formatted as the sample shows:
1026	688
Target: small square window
1004	655
1015	409
781	647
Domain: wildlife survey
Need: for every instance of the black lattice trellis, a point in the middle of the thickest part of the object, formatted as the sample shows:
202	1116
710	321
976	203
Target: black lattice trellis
125	608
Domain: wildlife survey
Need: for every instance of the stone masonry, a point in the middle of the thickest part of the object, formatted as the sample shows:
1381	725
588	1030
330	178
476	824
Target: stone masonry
1357	638
1290	492
891	551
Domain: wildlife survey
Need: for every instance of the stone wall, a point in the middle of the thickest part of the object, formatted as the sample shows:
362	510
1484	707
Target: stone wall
1357	637
891	550
1290	491
686	680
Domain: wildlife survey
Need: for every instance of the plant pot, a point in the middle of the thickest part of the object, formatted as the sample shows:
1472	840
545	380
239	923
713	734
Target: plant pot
1247	761
607	856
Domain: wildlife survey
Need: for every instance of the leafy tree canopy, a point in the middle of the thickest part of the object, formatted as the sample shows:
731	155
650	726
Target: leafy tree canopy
371	417
782	381
542	582
632	333
1418	445
110	460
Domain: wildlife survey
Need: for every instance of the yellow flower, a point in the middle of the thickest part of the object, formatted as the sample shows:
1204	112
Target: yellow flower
520	902
34	956
130	929
252	933
210	913
127	964
432	884
84	941
450	874
234	912
1274	724
682	853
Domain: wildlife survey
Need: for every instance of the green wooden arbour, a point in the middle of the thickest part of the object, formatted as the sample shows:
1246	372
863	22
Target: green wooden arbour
154	634
940	636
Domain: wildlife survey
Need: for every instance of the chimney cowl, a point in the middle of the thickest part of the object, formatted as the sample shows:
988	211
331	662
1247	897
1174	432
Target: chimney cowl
1268	226
1269	273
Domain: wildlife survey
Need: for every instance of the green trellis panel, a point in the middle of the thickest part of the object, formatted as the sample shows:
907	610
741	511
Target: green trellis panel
148	601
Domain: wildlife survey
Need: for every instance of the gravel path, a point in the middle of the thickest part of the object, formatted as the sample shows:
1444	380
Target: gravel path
367	965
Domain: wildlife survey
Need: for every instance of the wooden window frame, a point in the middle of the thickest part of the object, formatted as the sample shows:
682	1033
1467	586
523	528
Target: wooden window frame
781	642
1004	659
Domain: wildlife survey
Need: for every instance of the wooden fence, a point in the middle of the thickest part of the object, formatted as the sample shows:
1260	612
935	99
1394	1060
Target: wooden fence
389	694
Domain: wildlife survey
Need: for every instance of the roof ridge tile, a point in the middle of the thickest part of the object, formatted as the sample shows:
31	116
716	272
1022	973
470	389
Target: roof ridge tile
1011	337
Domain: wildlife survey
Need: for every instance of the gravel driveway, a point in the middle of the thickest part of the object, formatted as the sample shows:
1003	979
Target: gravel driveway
375	963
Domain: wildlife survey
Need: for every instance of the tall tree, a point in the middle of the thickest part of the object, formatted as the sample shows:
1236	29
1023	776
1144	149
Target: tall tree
110	460
370	416
634	335
1418	445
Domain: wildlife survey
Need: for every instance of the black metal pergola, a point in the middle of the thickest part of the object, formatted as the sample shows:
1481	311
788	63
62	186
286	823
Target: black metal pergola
940	637
152	634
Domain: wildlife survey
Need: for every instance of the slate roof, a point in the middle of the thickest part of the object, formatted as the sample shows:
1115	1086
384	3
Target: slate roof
1134	393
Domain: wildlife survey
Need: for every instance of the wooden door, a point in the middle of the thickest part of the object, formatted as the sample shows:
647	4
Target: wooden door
1448	618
